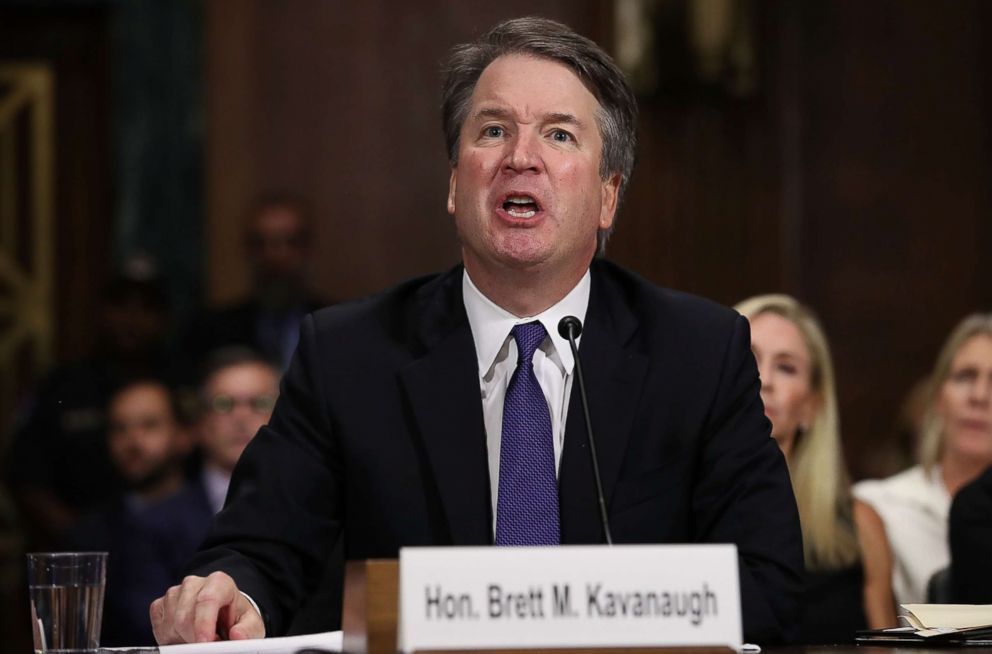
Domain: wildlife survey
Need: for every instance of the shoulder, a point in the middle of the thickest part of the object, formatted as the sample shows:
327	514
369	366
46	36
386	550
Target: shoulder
190	496
915	489
398	303
906	482
663	312
870	527
184	516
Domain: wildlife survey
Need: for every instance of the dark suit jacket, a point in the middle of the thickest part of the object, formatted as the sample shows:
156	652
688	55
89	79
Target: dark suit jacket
147	550
970	534
237	324
379	431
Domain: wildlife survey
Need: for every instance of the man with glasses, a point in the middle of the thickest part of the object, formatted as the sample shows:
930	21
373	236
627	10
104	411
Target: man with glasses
238	390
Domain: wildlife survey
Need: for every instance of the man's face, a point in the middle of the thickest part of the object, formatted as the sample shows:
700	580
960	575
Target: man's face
277	243
239	401
144	437
526	193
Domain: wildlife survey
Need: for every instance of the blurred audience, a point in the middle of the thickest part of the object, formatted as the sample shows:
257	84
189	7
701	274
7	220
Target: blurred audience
152	529
847	559
278	244
909	426
238	390
955	447
971	539
58	466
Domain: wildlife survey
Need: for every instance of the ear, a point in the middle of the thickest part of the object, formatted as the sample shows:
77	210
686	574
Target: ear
452	183
610	196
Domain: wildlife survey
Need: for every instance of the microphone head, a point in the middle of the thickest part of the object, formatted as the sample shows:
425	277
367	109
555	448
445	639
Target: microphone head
570	327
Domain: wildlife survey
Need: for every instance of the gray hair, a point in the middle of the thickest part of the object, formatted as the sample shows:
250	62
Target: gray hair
548	39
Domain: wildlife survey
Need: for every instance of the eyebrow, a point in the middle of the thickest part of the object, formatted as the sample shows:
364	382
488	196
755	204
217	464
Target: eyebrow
554	117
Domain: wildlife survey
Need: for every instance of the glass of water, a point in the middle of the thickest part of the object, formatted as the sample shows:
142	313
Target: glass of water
66	591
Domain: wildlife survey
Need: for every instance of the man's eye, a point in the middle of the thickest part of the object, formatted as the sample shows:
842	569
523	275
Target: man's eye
561	136
493	132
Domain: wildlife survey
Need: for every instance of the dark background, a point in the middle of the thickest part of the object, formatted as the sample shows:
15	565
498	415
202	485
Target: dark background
854	173
844	158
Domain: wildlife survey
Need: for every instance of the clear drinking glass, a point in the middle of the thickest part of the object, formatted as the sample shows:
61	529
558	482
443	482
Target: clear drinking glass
66	591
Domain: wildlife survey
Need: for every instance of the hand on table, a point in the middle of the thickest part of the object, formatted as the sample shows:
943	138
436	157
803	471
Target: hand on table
204	609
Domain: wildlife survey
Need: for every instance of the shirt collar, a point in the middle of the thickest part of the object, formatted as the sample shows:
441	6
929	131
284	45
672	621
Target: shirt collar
491	324
215	483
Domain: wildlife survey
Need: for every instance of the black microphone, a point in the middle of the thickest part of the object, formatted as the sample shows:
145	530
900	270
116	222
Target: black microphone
570	328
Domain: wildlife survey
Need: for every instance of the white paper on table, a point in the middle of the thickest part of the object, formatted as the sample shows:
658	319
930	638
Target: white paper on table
948	616
330	640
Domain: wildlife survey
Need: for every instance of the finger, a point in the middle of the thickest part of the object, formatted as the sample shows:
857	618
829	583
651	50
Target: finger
156	613
182	611
161	613
247	623
218	593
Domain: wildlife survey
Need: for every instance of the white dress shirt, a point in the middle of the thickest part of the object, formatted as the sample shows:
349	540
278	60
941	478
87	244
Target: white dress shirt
215	483
497	354
914	506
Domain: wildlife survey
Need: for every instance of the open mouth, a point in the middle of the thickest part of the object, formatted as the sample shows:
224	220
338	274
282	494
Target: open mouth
521	206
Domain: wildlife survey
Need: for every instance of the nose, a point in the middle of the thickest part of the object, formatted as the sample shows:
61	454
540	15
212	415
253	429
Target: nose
765	375
522	154
981	391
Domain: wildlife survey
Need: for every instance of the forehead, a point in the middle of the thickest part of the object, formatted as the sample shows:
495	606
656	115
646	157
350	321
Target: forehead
774	333
276	218
144	398
532	87
242	377
977	350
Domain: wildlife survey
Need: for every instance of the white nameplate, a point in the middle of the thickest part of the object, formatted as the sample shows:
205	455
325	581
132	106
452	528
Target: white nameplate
571	596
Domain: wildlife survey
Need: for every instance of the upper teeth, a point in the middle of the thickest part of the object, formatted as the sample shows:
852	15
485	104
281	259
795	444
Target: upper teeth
517	199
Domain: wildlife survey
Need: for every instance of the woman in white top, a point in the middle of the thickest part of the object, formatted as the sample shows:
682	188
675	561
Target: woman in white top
848	570
955	446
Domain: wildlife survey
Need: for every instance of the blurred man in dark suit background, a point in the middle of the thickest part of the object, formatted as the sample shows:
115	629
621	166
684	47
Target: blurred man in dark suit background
278	241
151	530
58	465
401	419
237	391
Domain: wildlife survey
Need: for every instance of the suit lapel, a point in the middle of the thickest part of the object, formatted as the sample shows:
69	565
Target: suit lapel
614	373
443	389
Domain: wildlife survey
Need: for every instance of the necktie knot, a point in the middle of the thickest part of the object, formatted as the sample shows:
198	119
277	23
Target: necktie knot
528	337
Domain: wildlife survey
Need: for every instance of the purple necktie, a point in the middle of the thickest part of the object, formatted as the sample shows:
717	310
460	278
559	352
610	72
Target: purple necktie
527	504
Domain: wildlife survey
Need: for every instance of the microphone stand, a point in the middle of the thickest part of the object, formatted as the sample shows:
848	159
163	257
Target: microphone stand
570	328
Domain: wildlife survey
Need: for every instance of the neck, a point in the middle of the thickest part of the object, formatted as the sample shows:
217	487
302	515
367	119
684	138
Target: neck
522	292
957	471
164	488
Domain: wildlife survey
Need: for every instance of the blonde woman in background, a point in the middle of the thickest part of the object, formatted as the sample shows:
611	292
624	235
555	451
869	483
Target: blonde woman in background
955	446
848	579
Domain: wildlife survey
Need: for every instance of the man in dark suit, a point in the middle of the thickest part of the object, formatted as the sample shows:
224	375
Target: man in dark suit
278	237
415	417
151	530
